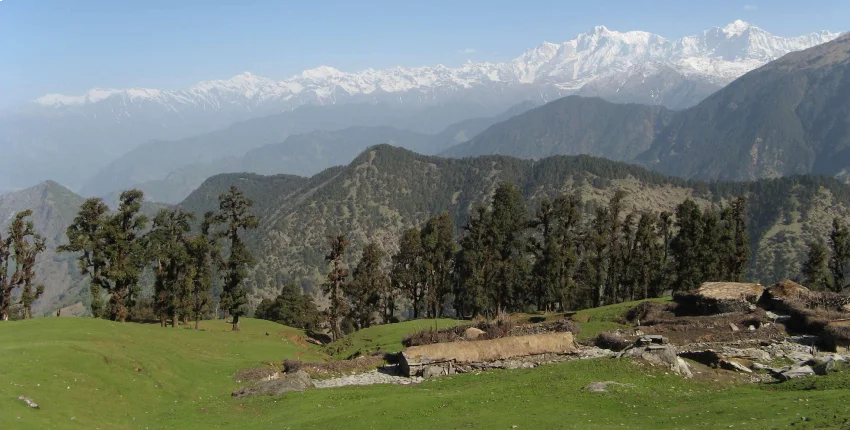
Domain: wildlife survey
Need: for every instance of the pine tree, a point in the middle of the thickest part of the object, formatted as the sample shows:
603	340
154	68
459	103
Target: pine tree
169	244
291	307
554	249
646	258
711	247
476	265
509	221
741	249
408	273
438	248
686	246
815	269
87	236
334	284
234	214
839	242
364	289
125	252
204	252
30	292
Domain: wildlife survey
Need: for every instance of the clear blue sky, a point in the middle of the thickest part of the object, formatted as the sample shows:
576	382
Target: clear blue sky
69	46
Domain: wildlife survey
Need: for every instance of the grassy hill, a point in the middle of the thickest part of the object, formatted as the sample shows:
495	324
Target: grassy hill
87	373
91	374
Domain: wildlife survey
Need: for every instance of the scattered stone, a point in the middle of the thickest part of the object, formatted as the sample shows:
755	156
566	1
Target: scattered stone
734	366
759	366
296	381
386	375
432	371
472	333
800	357
751	328
734	328
602	387
796	372
29	402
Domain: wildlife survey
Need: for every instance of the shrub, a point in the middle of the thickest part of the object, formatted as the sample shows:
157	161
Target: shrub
612	341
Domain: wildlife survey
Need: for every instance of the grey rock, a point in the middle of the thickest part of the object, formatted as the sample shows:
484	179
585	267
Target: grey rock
797	372
734	327
432	372
800	357
296	381
602	387
29	402
734	366
660	355
751	328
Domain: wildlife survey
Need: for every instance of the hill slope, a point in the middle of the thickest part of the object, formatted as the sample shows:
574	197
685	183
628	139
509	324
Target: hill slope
790	116
388	189
570	126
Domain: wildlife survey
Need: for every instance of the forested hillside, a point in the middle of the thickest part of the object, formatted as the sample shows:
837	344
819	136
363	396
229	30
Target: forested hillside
386	190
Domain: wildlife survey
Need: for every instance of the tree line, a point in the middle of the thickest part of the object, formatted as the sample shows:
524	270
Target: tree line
565	254
115	248
18	253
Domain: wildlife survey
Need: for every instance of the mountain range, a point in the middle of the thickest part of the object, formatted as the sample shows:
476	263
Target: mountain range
791	116
71	138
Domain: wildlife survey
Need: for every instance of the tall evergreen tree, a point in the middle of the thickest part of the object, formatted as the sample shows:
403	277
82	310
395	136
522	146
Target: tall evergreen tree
686	246
476	265
364	290
439	251
815	270
204	253
234	213
169	244
554	249
839	241
741	239
125	252
646	258
334	284
509	221
408	273
87	236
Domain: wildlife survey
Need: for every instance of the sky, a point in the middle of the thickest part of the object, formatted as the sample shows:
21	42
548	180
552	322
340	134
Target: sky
70	46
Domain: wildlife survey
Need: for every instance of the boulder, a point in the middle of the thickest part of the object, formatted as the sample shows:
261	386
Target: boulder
796	372
734	366
659	355
28	401
472	333
296	381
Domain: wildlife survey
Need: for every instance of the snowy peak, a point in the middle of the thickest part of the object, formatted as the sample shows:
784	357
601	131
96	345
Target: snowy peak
718	55
736	28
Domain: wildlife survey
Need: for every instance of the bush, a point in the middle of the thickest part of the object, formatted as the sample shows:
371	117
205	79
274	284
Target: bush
290	366
612	341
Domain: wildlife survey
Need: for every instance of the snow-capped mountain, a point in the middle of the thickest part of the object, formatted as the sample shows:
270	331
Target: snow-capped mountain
716	56
70	138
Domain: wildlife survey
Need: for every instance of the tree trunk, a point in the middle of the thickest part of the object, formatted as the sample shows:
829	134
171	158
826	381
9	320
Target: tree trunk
197	320
174	321
162	322
235	322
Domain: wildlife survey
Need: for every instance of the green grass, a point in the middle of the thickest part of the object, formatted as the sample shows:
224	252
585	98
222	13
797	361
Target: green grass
83	374
385	338
87	373
606	318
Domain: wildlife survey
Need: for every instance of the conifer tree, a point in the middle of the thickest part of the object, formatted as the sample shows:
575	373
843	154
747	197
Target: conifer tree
334	284
476	265
815	269
364	289
646	258
408	273
170	248
204	252
509	221
439	251
234	213
87	236
686	246
839	241
125	252
741	239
